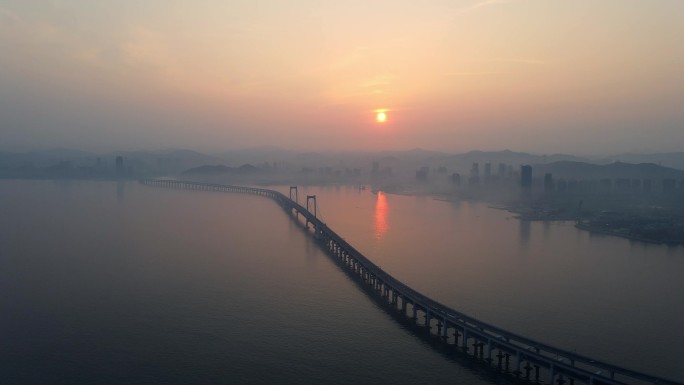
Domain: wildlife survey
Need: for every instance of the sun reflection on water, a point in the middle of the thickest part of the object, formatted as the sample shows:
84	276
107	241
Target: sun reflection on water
381	209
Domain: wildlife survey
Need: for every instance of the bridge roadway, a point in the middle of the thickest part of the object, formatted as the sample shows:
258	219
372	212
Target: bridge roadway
520	357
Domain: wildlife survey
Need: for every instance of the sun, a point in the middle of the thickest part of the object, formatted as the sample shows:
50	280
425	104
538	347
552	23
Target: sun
381	116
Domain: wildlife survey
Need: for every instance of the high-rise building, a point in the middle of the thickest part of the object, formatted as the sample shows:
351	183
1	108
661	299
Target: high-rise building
475	173
605	185
119	166
502	170
647	185
623	185
422	174
548	182
526	176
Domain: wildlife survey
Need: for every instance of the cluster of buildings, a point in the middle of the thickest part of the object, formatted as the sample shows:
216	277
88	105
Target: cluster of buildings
611	185
96	168
522	178
504	173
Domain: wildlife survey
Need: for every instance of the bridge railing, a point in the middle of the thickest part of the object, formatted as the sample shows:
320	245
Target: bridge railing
562	359
541	351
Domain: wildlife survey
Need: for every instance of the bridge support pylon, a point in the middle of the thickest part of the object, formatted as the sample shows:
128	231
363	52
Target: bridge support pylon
313	205
309	206
470	336
296	195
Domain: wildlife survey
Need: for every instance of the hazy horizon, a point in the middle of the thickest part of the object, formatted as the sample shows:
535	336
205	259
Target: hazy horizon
341	151
316	191
533	76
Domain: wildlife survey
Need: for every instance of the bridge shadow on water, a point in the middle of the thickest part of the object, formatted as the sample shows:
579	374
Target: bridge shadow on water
424	335
555	365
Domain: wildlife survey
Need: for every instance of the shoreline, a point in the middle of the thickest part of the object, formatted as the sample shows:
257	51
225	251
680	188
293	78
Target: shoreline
541	218
593	230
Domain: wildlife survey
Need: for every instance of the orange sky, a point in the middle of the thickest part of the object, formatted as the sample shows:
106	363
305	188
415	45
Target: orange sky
533	75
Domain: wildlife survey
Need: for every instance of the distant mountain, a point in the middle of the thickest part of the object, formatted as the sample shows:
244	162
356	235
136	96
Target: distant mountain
49	156
214	170
247	169
173	161
326	158
189	155
582	170
257	155
513	158
186	157
59	153
668	159
208	170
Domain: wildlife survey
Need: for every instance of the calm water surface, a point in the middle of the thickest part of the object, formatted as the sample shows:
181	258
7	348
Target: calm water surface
121	283
126	284
606	297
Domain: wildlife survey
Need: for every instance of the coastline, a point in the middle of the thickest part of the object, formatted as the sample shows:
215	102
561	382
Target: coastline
594	230
544	215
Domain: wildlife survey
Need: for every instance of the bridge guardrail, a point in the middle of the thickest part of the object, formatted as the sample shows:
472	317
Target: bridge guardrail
513	341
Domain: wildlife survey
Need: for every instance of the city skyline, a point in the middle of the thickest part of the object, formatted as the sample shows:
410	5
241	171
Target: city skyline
529	75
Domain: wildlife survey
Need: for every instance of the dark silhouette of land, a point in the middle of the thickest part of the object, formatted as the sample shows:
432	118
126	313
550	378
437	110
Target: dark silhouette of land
642	201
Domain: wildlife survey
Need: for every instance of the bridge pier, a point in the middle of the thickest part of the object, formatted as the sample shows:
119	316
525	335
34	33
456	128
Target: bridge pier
478	348
532	359
296	194
489	350
465	340
314	205
528	369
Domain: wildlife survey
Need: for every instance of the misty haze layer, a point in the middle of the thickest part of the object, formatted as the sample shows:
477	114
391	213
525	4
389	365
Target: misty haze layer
580	76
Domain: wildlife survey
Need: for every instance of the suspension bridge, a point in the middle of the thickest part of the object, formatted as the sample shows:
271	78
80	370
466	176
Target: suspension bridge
521	358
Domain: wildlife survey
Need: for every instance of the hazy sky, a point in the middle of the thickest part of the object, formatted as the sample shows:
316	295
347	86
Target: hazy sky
580	76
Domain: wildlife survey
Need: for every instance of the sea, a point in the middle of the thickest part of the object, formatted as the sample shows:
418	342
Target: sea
106	282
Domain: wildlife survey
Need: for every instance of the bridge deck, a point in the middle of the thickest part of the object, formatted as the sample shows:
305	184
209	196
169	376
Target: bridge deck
555	362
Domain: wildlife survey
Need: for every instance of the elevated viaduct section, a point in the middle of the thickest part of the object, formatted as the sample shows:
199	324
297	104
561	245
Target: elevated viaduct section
521	358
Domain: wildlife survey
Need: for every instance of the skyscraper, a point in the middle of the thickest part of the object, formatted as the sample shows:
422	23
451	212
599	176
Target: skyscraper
119	166
526	176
